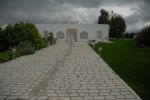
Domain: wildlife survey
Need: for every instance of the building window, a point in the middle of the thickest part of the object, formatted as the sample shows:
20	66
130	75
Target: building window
99	34
60	35
83	35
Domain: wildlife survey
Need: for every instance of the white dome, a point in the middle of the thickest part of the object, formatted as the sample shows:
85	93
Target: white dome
68	19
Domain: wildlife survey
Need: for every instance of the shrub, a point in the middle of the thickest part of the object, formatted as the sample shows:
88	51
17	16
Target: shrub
13	34
25	48
39	43
50	39
5	56
143	37
55	41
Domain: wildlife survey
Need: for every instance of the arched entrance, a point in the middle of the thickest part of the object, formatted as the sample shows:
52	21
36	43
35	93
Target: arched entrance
60	35
71	35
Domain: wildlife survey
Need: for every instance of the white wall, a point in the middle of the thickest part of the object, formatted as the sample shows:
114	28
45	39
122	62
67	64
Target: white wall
91	29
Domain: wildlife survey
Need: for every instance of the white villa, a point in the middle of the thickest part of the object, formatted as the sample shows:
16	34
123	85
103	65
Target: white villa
76	31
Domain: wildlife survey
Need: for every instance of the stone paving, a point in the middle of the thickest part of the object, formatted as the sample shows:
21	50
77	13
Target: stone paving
62	72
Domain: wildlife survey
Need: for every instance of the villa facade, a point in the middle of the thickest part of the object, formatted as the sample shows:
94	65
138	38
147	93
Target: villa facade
76	31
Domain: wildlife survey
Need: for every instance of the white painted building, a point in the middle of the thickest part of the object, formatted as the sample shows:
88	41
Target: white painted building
76	31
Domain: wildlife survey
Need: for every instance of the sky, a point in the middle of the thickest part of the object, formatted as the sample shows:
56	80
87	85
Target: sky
135	12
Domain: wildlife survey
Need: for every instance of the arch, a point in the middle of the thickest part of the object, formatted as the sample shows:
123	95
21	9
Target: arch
60	35
83	35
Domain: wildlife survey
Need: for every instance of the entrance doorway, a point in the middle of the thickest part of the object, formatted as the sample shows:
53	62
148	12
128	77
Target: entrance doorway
71	35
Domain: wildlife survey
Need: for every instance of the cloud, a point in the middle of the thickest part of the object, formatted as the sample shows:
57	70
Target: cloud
135	12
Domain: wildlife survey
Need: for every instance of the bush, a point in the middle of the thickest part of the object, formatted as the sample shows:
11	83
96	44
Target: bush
39	43
50	39
55	41
25	48
143	37
13	34
5	56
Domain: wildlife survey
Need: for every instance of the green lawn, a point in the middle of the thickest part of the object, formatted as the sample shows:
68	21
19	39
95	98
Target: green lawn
130	62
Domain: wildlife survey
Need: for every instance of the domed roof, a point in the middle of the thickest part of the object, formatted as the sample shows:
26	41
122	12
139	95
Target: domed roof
71	19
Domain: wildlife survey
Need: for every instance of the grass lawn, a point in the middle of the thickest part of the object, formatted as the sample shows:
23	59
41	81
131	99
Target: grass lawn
130	62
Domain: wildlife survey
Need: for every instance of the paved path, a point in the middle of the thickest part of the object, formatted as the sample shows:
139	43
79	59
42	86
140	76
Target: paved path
62	72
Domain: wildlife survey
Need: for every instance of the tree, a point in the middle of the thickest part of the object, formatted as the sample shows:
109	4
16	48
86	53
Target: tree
143	37
7	38
1	34
49	38
104	18
129	35
0	29
12	35
117	26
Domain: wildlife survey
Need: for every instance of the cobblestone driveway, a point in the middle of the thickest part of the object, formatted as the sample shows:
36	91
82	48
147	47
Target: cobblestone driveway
62	72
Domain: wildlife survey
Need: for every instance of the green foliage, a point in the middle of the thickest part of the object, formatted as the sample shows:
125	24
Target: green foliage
25	48
7	38
117	26
50	40
12	35
1	39
143	37
38	43
5	56
130	62
116	22
54	41
23	36
104	18
129	35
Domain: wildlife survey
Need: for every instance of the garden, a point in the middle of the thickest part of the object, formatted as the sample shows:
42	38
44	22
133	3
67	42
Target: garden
21	39
130	61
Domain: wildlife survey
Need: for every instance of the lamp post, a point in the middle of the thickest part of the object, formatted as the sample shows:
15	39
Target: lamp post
99	50
14	51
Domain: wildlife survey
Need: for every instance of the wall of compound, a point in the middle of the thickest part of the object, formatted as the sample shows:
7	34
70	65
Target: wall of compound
98	32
